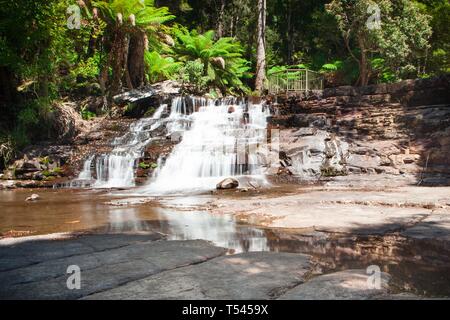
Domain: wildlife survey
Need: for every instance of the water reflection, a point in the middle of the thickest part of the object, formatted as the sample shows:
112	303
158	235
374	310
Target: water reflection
221	230
125	220
420	266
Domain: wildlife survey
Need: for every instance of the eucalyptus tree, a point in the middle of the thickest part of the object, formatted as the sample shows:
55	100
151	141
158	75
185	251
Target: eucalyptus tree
395	30
261	47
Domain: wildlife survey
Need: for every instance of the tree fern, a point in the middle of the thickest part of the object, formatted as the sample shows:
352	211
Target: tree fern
222	59
160	68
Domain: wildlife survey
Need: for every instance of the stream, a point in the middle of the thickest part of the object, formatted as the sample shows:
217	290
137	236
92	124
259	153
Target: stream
417	266
217	139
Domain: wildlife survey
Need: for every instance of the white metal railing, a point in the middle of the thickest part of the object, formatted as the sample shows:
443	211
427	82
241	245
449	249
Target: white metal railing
294	80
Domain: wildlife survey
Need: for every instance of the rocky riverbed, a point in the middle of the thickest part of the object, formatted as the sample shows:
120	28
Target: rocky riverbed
149	267
284	242
360	182
417	211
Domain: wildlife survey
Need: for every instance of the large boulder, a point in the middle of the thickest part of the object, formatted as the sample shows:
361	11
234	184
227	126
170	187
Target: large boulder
310	152
228	183
33	197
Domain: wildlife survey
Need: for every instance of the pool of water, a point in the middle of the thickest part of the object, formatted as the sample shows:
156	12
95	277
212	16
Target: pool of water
418	266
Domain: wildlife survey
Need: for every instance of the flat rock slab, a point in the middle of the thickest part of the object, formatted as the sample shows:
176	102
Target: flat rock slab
19	252
261	275
436	227
108	264
354	219
348	218
341	211
345	285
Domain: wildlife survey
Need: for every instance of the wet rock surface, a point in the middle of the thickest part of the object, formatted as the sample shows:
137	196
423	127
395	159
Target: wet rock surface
146	266
344	285
259	275
106	262
228	183
141	267
126	266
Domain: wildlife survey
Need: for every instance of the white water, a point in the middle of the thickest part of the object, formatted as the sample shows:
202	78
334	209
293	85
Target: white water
116	169
222	230
220	139
84	179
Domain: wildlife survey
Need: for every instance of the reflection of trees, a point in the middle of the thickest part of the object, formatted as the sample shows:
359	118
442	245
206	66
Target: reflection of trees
421	266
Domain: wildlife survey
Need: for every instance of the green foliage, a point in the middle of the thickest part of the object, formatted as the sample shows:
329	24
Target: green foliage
160	68
131	26
147	16
52	173
87	69
221	59
150	111
401	39
86	114
441	60
339	72
192	73
7	150
46	161
331	172
42	60
129	108
276	69
383	72
438	59
333	66
280	68
145	166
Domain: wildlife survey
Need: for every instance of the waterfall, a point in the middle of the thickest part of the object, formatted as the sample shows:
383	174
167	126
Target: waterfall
84	179
217	139
86	174
220	139
116	170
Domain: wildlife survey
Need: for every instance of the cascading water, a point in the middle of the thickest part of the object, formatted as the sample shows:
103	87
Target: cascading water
220	139
116	170
85	177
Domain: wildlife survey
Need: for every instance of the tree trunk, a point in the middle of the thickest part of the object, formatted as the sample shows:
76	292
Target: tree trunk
261	47
220	16
91	45
364	67
8	84
126	73
117	62
136	64
289	33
